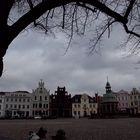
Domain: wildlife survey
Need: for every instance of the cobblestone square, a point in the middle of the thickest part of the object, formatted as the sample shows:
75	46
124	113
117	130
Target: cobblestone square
76	129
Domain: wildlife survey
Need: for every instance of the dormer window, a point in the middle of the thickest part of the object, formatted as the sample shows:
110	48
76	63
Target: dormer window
76	100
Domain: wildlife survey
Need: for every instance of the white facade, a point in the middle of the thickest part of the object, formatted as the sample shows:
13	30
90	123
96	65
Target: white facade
83	105
17	104
2	108
40	100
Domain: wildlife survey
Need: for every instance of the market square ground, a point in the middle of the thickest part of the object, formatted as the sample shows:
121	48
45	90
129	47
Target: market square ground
76	129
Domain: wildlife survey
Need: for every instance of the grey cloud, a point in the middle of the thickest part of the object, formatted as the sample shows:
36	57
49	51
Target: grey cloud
33	56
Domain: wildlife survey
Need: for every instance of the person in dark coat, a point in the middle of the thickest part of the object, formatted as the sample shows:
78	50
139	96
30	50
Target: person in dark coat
60	135
42	133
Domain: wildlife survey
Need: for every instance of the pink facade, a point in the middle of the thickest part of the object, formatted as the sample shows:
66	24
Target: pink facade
123	100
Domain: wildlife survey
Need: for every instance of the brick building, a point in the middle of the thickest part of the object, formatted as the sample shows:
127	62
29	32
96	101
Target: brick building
60	103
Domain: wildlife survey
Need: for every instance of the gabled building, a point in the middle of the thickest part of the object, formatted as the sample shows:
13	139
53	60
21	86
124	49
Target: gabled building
83	105
40	101
60	103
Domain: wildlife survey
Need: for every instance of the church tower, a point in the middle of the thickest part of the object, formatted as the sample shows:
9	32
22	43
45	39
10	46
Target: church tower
108	87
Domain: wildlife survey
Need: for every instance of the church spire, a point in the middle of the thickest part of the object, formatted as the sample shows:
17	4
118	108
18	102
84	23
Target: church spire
108	86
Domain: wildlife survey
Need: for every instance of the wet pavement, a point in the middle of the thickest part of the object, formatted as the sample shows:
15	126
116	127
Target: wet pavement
5	138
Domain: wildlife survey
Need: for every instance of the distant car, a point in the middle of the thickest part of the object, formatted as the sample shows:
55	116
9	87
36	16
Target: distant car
37	117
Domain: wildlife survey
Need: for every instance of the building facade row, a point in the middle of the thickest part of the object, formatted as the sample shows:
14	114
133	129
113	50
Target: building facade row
60	104
41	103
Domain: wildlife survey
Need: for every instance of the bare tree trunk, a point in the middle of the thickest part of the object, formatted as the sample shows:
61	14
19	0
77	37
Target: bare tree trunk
5	40
4	43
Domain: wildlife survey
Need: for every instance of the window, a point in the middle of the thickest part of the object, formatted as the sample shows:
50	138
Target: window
23	100
11	106
40	105
46	112
136	103
0	106
35	98
78	106
28	100
27	113
19	106
46	105
79	113
90	106
84	105
23	106
27	106
15	100
7	99
19	100
75	106
15	106
45	97
0	101
40	98
76	100
74	112
11	99
6	105
41	90
14	112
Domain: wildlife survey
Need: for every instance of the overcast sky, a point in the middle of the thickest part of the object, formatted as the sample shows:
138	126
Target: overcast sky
33	56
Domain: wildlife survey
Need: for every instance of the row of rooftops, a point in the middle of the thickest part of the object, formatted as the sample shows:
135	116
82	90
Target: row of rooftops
78	96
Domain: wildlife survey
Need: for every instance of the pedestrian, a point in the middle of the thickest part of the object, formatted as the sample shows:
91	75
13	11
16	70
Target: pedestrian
33	136
60	135
40	135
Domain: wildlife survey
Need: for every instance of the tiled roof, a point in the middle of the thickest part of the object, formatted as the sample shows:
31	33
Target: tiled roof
2	93
21	91
76	98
